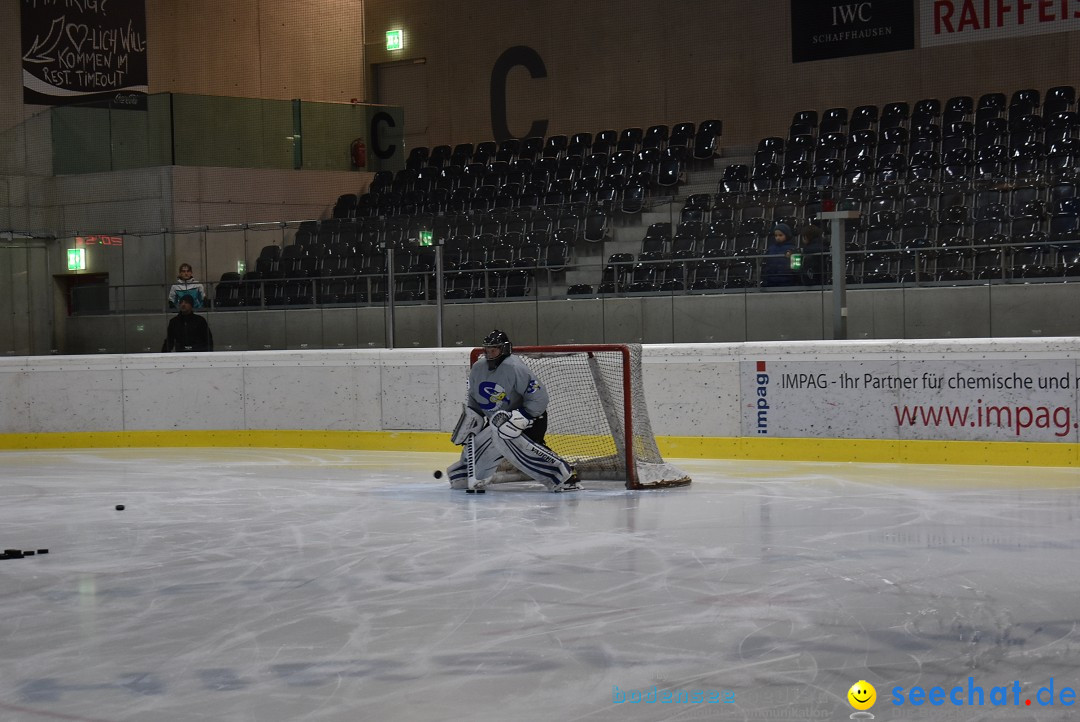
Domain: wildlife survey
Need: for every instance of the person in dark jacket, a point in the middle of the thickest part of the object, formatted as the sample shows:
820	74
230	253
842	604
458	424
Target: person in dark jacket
817	263
776	270
187	330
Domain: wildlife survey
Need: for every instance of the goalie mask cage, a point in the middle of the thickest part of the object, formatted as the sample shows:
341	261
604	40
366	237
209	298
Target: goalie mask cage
597	417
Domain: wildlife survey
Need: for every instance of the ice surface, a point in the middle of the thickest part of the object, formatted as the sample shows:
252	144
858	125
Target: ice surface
280	585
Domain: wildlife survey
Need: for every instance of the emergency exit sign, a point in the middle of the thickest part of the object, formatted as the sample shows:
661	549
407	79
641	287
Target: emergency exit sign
76	259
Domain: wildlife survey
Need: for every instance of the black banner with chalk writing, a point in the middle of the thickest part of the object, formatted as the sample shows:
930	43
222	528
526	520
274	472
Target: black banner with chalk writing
89	52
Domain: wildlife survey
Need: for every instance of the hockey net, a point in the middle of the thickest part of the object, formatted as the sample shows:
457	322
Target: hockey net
597	416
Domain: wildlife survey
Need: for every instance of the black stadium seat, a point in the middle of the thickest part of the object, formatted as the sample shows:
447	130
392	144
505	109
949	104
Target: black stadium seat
940	185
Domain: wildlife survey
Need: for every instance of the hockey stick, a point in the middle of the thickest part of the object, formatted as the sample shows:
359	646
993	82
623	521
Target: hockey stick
470	462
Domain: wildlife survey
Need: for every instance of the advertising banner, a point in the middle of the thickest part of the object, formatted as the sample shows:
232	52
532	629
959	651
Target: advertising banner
945	22
835	30
84	52
962	400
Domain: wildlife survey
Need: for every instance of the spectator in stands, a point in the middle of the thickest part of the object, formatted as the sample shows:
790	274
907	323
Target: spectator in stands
186	285
187	330
815	252
777	270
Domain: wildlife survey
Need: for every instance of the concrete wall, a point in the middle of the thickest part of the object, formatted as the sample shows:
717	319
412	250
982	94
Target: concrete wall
27	326
177	197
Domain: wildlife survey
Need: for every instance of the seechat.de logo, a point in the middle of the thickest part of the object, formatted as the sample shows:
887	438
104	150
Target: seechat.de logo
861	697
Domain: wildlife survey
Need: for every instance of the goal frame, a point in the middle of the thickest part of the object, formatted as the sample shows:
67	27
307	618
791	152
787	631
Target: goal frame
632	477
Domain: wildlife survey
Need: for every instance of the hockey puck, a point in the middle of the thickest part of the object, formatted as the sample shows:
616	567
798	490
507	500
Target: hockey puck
42	551
14	554
437	474
13	551
28	553
119	507
481	491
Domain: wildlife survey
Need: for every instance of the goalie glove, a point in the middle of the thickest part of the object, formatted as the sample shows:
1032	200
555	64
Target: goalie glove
510	424
470	423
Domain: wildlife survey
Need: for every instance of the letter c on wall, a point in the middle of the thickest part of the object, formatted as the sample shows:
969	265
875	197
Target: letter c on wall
376	147
518	55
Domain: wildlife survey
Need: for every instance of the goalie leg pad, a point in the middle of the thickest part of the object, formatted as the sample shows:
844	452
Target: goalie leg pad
486	456
538	462
459	474
470	422
486	459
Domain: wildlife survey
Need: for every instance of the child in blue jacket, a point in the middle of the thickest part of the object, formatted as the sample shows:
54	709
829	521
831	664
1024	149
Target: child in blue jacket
776	269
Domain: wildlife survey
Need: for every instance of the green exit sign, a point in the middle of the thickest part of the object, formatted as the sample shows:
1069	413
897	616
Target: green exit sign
426	238
76	259
395	40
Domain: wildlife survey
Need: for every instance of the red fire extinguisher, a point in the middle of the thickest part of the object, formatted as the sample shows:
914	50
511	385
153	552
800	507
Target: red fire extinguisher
358	152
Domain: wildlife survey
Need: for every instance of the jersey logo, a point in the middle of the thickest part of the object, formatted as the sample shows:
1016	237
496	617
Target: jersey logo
533	386
491	394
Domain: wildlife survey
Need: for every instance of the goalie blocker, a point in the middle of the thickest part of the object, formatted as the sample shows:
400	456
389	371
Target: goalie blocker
599	420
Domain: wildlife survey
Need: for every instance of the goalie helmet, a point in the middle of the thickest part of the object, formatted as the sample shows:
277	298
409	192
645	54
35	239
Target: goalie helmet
498	339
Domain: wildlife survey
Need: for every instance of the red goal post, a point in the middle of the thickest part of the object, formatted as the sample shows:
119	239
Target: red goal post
598	419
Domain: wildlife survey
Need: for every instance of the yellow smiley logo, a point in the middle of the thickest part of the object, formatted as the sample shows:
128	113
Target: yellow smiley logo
862	695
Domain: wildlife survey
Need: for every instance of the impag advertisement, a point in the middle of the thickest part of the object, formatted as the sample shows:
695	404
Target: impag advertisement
975	399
